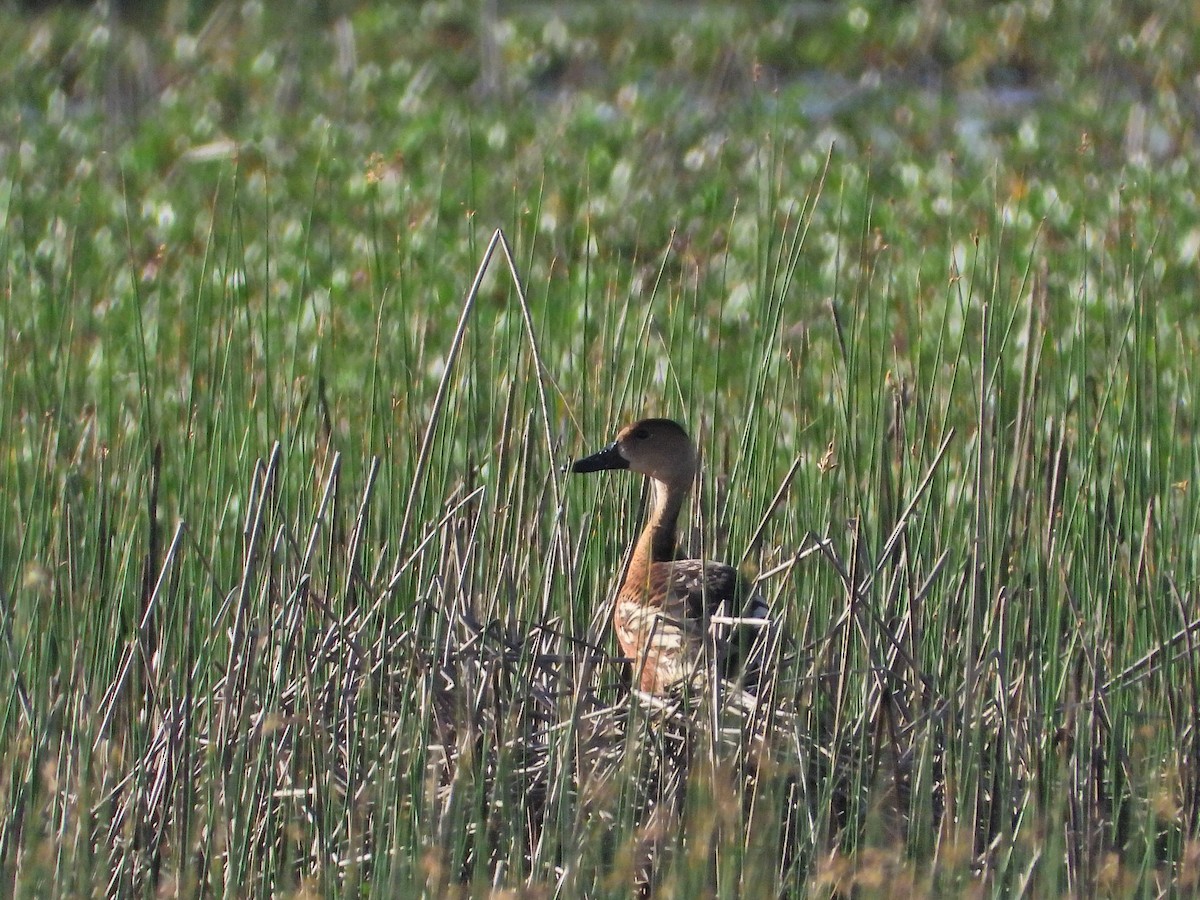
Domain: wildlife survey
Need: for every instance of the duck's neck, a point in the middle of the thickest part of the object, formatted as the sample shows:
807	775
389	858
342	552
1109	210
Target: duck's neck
657	540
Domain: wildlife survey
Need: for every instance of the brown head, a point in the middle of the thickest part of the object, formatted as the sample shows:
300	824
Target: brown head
658	448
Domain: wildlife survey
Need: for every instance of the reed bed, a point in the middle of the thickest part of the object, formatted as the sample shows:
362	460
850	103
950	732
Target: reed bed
297	598
388	692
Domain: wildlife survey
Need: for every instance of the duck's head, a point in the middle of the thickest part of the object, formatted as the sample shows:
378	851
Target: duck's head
659	448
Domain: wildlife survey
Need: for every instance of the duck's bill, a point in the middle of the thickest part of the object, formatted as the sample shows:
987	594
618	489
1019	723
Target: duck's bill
608	458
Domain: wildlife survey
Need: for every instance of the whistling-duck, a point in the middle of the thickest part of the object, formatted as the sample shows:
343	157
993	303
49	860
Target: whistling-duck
662	608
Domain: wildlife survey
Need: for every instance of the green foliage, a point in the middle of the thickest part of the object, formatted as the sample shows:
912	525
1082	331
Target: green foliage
938	264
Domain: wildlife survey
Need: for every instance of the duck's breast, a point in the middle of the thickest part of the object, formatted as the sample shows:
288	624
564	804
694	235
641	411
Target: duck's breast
660	620
660	614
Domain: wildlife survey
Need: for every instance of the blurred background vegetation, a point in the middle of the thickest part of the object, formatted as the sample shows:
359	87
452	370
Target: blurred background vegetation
379	138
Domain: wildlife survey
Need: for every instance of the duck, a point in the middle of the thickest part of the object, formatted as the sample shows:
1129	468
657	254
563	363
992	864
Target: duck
663	609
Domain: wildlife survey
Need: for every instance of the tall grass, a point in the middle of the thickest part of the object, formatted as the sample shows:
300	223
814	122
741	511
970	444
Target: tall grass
241	665
296	596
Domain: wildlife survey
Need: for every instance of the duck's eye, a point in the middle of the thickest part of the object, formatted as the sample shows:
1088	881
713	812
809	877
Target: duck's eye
641	434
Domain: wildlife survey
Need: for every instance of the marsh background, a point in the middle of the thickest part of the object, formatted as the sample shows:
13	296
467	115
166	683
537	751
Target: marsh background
281	499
